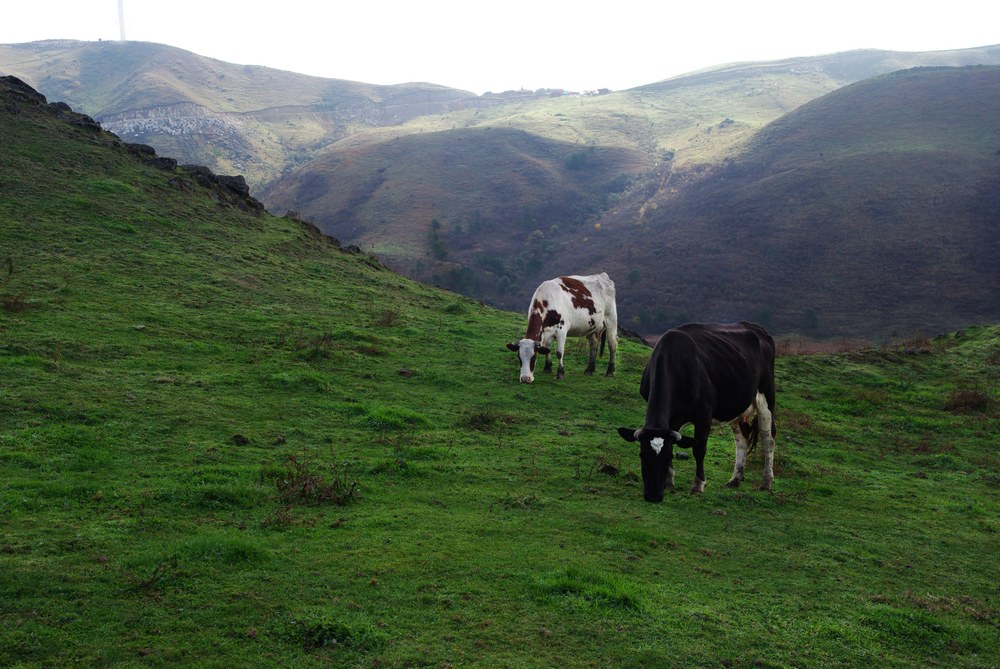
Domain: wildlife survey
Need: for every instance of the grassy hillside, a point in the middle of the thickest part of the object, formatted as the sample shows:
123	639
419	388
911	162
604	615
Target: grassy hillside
871	211
189	394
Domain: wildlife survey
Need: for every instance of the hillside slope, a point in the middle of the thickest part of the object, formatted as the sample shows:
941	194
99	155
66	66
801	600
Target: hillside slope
508	195
871	211
225	442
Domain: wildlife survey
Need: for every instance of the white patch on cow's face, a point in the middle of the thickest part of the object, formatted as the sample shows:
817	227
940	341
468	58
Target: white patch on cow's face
656	444
527	349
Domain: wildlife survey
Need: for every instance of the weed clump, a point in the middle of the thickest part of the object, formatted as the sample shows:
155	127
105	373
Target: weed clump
487	420
387	318
13	303
301	482
968	401
317	630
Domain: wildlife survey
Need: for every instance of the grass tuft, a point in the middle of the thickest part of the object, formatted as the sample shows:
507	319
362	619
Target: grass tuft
592	590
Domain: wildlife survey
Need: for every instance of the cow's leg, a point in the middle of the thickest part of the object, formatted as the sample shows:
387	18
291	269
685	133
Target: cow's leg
560	350
612	331
594	340
670	468
741	454
699	449
765	422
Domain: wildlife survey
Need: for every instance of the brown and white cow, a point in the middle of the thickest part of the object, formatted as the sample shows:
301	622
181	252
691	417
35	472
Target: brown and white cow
569	306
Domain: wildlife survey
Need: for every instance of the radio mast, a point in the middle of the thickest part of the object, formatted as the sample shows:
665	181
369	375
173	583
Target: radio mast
121	18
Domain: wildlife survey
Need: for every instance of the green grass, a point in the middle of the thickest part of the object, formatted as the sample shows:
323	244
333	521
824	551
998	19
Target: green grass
176	375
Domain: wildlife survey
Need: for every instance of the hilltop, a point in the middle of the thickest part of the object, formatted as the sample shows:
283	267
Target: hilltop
225	441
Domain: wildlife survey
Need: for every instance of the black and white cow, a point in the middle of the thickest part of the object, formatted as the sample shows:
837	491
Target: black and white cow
570	306
702	374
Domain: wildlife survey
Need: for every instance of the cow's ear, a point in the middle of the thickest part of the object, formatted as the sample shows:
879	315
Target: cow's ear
513	346
686	442
544	350
626	433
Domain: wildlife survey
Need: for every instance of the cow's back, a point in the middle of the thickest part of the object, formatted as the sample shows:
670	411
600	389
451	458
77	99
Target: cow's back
602	292
737	358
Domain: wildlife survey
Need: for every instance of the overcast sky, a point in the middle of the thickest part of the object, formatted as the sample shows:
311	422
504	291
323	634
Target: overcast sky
498	46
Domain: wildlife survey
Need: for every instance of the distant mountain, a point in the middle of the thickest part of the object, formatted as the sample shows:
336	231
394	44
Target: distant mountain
873	210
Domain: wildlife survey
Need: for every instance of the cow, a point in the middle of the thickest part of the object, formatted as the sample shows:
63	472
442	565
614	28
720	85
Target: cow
700	374
577	306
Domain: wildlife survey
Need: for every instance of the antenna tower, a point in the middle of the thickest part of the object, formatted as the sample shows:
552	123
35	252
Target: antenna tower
121	18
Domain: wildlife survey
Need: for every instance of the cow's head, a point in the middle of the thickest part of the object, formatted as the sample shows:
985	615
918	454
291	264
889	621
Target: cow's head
527	350
656	451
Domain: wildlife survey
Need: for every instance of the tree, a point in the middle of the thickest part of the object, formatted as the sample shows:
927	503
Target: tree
436	242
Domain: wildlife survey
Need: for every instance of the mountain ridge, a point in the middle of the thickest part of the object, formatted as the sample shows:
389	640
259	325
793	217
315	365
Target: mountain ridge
270	121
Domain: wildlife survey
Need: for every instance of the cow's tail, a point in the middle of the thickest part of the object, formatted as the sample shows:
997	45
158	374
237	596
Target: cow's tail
751	432
604	338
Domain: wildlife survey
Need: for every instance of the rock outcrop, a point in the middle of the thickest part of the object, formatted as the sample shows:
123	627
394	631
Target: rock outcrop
231	191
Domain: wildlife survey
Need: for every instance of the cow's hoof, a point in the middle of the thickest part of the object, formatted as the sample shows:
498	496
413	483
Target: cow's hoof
588	372
766	488
734	483
698	487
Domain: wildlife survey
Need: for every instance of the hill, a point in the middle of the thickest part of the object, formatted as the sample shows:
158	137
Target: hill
529	191
226	442
252	120
872	210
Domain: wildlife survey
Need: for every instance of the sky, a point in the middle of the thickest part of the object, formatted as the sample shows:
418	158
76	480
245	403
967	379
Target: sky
498	46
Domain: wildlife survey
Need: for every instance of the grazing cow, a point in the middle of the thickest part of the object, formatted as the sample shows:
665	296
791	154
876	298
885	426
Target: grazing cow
577	306
703	374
